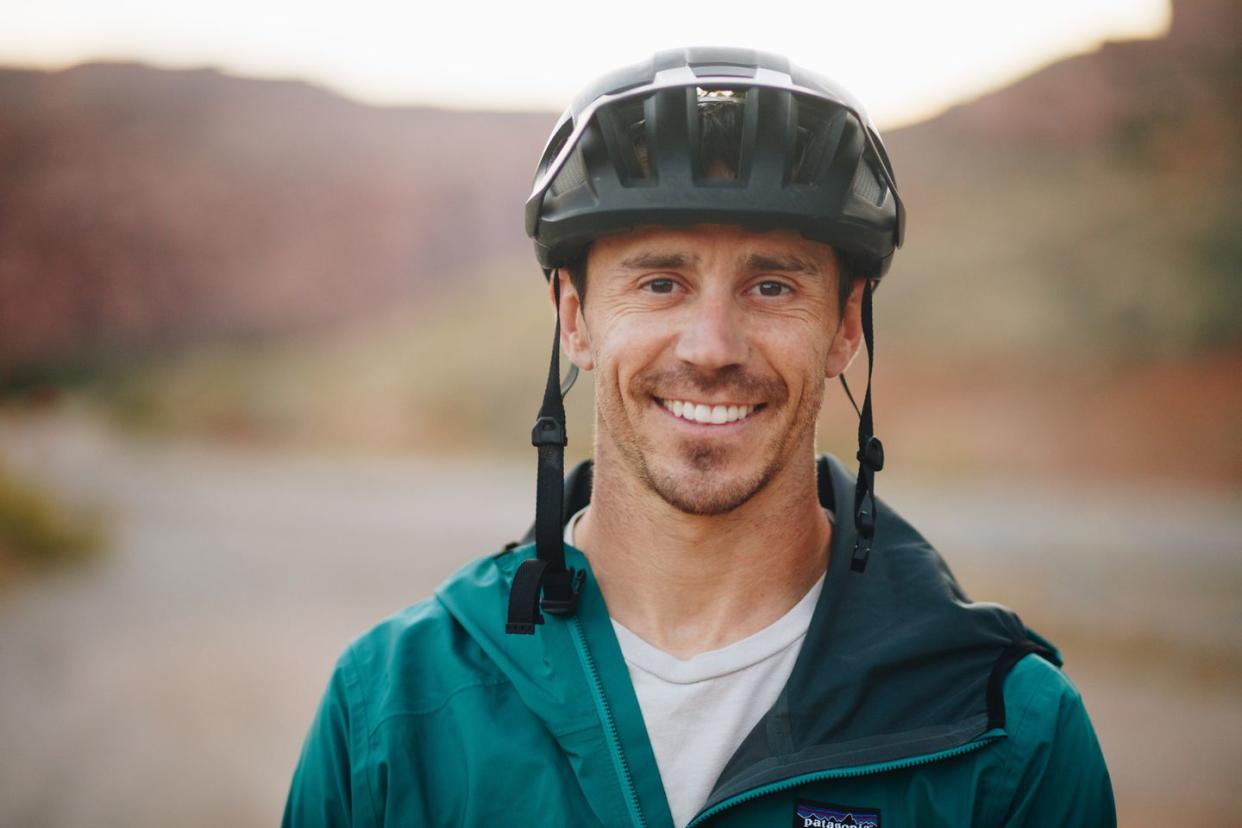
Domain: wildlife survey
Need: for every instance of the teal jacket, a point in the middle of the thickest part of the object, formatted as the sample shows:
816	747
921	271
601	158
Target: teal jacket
908	706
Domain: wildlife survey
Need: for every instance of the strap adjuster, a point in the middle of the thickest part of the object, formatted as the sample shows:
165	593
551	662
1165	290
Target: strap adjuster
862	550
864	522
871	454
548	431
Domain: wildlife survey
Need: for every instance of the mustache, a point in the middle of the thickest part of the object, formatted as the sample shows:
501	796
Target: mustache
734	379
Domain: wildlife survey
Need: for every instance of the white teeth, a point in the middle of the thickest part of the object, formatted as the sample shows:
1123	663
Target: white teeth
708	414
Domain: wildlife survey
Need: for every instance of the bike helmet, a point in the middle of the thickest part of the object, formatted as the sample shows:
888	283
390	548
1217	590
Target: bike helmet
630	150
636	148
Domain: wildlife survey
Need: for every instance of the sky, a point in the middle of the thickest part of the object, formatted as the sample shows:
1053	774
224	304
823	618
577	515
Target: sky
905	60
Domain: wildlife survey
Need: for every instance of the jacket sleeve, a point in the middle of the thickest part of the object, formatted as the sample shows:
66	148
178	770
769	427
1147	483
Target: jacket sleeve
1055	768
321	792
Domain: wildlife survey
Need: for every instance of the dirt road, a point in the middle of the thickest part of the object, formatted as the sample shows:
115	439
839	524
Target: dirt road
172	682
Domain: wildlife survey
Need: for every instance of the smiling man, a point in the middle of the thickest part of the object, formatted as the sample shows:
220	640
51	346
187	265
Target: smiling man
711	626
711	346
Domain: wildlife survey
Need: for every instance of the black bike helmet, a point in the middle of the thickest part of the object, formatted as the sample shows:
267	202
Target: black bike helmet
632	150
629	151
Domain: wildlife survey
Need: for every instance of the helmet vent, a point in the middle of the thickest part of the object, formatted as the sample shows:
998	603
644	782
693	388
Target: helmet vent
866	186
623	128
717	134
572	176
819	131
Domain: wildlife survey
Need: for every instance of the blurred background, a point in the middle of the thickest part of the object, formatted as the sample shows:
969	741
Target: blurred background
271	340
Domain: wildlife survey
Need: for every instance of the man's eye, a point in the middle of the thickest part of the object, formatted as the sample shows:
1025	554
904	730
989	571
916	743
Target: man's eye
661	286
772	289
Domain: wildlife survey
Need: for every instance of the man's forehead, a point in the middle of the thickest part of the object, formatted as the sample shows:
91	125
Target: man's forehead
651	248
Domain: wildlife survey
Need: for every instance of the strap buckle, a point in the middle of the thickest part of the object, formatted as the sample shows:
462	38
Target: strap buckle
561	591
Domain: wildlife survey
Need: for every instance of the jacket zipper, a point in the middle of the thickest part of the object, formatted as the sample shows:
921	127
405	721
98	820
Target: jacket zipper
841	773
610	725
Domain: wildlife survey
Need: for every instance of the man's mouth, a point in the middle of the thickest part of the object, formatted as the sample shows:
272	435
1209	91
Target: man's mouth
710	413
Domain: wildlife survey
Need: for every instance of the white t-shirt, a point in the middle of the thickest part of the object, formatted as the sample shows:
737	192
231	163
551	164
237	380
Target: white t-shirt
699	710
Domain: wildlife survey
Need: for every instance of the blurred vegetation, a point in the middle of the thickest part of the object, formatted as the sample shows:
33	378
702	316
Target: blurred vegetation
463	373
1082	256
40	532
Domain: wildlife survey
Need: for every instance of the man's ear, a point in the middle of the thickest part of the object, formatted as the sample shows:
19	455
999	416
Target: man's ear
848	338
575	341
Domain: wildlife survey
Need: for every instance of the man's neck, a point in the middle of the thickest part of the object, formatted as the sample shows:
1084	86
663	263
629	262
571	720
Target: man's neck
688	584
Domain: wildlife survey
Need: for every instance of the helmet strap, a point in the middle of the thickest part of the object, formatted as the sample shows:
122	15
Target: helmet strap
870	450
546	572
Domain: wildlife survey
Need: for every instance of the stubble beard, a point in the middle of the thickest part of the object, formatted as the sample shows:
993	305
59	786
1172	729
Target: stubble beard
706	490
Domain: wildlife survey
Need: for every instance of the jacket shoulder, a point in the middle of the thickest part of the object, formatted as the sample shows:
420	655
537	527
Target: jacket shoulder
390	683
1051	766
413	661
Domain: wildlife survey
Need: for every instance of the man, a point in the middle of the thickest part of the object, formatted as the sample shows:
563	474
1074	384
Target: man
732	633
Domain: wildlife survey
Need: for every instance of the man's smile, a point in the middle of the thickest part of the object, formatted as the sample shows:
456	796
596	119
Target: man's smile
709	413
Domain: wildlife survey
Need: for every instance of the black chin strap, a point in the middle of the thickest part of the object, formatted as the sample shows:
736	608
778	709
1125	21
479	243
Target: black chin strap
870	450
546	571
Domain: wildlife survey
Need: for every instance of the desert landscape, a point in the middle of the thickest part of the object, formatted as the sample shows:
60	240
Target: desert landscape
269	358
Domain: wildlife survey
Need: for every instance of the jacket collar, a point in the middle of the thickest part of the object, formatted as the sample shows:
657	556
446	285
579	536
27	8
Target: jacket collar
550	675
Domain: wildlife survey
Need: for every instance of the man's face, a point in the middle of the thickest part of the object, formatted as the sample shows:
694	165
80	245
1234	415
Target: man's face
712	346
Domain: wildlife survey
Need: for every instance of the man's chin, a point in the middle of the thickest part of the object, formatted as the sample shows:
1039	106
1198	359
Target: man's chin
706	484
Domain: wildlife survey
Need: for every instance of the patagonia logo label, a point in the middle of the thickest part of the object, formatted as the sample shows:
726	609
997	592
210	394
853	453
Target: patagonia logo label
823	815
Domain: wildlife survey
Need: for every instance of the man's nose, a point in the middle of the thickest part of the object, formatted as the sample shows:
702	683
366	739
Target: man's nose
712	336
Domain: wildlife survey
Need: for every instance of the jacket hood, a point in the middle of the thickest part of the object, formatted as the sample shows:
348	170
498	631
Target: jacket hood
897	662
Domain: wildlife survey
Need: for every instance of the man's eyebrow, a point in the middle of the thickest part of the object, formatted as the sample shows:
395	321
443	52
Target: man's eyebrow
780	262
656	260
